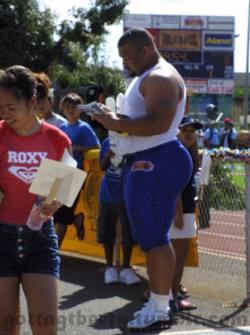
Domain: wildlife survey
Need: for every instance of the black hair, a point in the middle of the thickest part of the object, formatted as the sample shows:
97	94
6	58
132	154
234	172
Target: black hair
20	81
139	37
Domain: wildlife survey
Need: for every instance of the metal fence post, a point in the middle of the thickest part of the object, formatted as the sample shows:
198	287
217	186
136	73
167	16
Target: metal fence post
247	180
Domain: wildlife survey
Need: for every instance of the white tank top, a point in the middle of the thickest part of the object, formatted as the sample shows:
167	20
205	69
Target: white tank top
134	107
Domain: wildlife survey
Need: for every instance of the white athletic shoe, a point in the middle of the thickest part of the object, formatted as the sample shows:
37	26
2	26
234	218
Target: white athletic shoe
149	315
111	276
127	276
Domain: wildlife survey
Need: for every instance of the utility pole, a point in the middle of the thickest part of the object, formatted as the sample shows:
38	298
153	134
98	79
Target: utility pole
247	70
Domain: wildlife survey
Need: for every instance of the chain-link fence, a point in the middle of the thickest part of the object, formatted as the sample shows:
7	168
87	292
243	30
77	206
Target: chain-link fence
222	228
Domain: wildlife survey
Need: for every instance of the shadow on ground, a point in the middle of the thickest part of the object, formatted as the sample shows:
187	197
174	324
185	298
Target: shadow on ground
110	307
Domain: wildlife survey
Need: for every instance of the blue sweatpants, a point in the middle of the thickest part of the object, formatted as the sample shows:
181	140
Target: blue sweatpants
153	180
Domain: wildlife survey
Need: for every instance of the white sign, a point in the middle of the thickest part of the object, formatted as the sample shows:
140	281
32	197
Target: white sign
49	171
137	21
220	87
199	85
194	22
166	22
221	23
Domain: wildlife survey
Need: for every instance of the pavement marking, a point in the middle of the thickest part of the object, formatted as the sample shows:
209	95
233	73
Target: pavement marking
223	235
206	331
222	253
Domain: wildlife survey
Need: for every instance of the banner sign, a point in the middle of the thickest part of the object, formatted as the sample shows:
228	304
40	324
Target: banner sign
199	85
180	39
137	21
219	41
220	87
166	21
194	22
221	23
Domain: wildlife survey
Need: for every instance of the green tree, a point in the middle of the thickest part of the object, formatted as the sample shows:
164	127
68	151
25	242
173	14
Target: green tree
26	34
88	28
87	73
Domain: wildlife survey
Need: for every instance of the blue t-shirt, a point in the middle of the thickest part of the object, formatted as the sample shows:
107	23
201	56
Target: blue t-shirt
111	189
80	134
215	138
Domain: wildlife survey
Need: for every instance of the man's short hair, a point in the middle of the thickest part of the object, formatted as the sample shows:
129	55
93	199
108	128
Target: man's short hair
139	37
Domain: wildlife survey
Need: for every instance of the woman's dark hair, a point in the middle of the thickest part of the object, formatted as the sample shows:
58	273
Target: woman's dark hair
20	81
43	85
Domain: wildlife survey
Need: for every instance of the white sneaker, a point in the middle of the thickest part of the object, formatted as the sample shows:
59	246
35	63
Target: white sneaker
127	276
111	276
149	315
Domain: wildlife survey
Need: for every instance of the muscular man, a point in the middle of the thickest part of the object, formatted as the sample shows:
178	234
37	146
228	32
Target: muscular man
157	167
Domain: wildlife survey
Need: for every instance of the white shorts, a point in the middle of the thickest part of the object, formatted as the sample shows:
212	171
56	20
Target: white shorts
189	228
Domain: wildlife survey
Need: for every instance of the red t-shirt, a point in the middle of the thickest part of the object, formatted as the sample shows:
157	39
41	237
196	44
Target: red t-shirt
20	158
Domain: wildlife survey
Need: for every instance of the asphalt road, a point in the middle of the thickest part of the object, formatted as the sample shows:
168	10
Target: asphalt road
88	306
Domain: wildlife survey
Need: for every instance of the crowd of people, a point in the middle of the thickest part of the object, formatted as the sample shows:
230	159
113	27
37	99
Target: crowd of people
151	190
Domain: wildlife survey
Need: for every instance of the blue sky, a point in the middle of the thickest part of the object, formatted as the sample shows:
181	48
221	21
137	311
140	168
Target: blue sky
238	9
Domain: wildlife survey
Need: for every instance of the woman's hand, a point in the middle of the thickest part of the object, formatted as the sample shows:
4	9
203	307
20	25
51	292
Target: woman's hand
178	221
48	210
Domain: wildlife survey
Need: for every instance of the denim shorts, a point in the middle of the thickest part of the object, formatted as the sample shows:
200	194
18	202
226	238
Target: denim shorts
106	229
23	250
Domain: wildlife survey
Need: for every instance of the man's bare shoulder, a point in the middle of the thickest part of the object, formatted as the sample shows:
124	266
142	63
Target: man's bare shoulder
164	77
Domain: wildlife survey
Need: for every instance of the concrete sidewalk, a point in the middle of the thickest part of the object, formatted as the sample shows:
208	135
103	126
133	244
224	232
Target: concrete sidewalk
88	306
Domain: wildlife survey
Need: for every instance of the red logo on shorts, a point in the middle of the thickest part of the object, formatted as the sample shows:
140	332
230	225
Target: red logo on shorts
142	166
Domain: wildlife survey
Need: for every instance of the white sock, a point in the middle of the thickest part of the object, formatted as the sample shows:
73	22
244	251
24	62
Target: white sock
171	294
160	300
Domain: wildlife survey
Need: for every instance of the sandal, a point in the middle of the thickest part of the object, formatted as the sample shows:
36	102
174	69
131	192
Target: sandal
184	305
183	290
80	232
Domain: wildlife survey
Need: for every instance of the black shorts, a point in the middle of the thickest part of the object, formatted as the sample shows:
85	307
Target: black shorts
65	215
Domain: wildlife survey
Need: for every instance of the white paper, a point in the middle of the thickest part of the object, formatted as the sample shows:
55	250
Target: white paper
205	169
48	171
68	159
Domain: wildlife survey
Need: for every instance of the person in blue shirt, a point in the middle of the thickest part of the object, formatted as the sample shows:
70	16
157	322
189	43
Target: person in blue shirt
212	136
112	206
83	138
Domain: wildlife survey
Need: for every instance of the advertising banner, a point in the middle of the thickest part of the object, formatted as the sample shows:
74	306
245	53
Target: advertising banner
220	87
221	23
193	22
137	21
180	39
166	21
218	40
199	85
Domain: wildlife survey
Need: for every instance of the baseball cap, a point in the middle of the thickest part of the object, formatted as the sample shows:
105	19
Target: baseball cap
187	120
227	120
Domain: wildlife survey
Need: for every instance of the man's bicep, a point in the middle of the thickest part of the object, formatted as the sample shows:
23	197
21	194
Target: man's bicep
161	98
